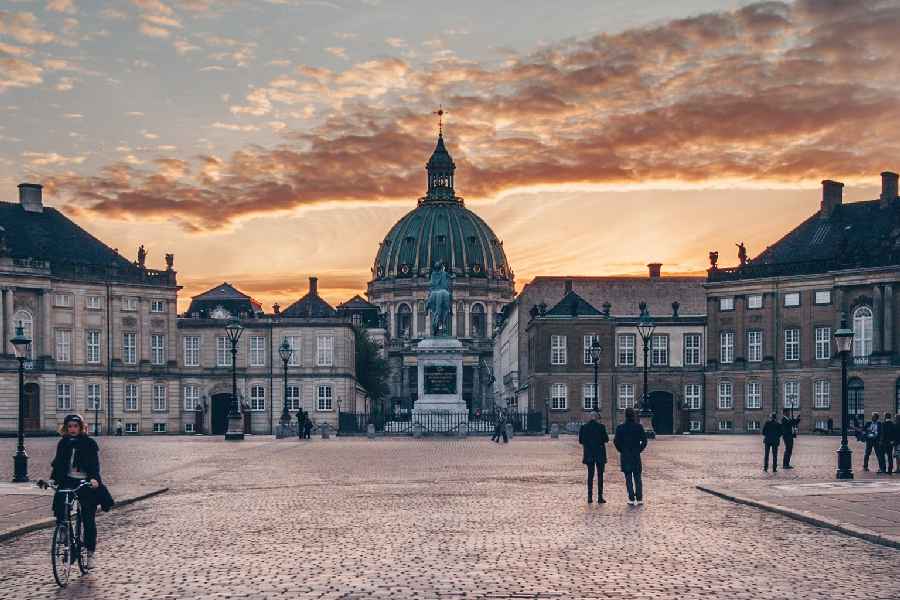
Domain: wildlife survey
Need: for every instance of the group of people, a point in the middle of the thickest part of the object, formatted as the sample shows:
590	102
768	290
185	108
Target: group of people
304	424
773	433
630	440
882	438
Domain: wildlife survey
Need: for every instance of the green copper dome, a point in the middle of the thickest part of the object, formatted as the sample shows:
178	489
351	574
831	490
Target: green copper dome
441	229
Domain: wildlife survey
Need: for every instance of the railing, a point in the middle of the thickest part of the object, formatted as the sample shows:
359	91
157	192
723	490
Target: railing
439	422
761	270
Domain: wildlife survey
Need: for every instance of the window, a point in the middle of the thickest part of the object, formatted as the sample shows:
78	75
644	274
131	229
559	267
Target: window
791	344
726	347
753	425
63	396
726	396
626	396
192	351
356	320
588	344
792	394
191	397
257	398
692	396
63	345
93	396
822	389
897	398
325	350
223	352
324	398
129	303
862	333
695	426
557	349
129	348
189	428
62	300
823	297
294	342
158	349
157	306
22	318
159	428
404	321
754	346
625	343
293	397
754	395
823	343
257	351
589	395
93	302
479	327
659	350
559	396
131	427
792	299
159	397
131	397
726	304
725	425
754	301
856	402
692	349
92	339
822	425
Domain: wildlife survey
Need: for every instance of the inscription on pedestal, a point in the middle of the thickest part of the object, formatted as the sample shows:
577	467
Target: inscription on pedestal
440	379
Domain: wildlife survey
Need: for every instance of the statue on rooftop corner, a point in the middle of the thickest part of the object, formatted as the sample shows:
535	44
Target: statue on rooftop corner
142	257
742	253
439	301
713	259
170	261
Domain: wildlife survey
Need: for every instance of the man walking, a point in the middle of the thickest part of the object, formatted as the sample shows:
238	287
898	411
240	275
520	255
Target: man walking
630	441
871	434
593	438
886	448
787	433
771	438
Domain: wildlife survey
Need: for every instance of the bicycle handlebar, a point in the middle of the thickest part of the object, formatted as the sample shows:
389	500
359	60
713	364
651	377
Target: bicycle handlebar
52	484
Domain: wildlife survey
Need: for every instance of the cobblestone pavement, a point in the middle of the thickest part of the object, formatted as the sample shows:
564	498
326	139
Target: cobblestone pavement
446	518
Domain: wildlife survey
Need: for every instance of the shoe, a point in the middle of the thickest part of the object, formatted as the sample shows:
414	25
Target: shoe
639	503
631	503
601	501
765	470
787	467
89	562
590	500
774	470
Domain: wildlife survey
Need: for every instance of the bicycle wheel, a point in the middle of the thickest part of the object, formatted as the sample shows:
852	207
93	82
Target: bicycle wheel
80	549
60	554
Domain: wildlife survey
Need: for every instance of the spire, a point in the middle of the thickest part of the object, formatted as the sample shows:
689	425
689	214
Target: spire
440	167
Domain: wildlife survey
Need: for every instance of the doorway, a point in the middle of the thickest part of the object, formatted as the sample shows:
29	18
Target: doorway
218	416
32	413
663	404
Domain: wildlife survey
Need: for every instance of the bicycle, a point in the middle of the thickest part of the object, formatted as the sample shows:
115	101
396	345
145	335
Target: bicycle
67	546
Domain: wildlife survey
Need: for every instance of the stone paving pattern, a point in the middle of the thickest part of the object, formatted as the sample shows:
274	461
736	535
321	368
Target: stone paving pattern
449	518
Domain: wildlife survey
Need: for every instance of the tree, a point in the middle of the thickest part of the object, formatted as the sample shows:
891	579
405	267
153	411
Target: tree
371	368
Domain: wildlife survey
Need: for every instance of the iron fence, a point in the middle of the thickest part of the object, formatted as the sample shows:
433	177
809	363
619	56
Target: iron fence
439	422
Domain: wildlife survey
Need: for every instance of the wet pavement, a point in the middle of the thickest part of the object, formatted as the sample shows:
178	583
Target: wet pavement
450	518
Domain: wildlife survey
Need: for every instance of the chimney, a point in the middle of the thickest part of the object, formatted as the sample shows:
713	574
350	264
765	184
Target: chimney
832	192
30	197
568	286
313	286
655	269
888	189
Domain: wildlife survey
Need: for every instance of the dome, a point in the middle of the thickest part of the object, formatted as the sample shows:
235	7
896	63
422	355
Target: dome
442	229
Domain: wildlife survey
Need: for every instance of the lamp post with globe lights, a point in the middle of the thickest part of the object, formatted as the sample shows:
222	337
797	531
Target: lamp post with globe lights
843	339
595	359
235	424
285	352
21	343
646	326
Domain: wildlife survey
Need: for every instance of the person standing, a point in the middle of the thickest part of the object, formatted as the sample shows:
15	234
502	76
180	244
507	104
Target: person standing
300	423
771	439
630	441
120	429
593	438
886	447
788	435
871	435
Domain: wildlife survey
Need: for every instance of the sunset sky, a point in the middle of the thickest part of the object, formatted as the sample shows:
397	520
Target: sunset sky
265	141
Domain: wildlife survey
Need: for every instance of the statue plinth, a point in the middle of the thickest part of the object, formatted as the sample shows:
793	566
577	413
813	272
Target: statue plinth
440	366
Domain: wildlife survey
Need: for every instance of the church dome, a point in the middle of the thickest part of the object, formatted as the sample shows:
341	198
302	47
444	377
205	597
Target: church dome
441	229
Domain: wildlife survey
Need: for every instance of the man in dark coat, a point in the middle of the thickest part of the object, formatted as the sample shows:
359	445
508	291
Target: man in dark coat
871	435
593	438
630	441
787	433
301	421
771	438
886	448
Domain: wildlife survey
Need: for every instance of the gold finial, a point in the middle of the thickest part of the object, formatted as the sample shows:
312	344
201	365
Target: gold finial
440	115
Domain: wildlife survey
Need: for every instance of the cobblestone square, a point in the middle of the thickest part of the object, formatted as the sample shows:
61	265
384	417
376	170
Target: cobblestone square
448	518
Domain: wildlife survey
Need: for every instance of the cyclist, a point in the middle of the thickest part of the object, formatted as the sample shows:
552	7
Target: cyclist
78	458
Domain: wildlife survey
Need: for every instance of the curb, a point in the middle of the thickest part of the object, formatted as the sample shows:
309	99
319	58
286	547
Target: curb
808	517
46	523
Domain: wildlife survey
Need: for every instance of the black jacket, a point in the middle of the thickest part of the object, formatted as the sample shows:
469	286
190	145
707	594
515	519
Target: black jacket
630	441
772	433
888	432
87	460
787	427
593	437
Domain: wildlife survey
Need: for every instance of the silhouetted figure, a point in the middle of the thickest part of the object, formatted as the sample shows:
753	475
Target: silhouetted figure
301	423
713	259
771	439
500	431
871	434
593	438
787	433
307	427
142	257
630	441
742	253
886	445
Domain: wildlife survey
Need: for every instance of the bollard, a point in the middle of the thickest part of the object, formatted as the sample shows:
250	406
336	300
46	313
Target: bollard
324	429
370	431
463	429
417	430
554	430
509	431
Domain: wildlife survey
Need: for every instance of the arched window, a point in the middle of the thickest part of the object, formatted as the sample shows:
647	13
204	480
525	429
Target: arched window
420	318
862	333
897	399
856	405
478	321
460	320
22	318
404	321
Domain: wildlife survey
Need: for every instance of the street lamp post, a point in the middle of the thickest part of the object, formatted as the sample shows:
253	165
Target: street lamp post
646	326
843	339
285	352
235	424
595	359
20	460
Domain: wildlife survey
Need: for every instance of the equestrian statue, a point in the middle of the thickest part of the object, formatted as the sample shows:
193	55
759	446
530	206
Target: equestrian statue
439	301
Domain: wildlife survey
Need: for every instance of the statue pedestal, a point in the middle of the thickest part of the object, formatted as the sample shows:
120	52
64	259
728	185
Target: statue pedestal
440	406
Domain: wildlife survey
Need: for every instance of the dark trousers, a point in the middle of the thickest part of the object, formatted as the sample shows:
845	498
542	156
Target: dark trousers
634	485
870	446
598	467
887	457
88	500
498	434
774	449
299	430
788	451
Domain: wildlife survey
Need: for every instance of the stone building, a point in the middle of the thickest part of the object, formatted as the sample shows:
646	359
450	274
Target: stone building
771	319
440	229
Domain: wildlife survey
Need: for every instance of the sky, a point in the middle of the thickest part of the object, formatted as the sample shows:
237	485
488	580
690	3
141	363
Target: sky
265	141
